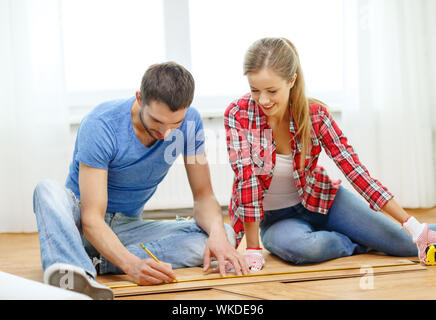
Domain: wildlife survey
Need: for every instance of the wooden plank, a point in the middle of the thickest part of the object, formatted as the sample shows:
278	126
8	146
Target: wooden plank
275	291
207	294
215	276
405	286
393	286
343	287
334	268
243	281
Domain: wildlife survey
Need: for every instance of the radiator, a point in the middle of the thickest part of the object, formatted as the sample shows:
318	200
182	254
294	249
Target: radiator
174	191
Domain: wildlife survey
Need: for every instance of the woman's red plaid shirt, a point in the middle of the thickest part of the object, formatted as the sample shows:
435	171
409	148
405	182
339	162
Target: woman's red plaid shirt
252	154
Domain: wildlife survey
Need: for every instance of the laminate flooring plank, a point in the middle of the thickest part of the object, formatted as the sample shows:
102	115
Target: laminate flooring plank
275	265
342	288
273	291
400	286
207	294
349	266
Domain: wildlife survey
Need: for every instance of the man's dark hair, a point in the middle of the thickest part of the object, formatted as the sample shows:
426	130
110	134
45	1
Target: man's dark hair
169	83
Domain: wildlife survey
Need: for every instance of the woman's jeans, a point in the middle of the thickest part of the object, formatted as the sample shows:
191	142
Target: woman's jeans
351	227
179	242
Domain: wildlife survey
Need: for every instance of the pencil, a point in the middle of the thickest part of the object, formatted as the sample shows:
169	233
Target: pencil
152	255
148	251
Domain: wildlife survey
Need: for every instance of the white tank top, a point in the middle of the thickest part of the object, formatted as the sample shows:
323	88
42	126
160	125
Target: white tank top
282	192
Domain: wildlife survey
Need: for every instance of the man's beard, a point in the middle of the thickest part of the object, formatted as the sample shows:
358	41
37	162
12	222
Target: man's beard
145	126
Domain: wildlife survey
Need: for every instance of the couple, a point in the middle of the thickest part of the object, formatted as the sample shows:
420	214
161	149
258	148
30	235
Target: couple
92	224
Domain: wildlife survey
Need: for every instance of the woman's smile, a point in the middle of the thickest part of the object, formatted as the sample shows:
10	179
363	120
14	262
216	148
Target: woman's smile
268	106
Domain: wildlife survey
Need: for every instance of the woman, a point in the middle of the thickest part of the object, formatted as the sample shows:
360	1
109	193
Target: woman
274	136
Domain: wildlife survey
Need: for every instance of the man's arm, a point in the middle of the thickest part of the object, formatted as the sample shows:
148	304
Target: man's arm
93	196
208	215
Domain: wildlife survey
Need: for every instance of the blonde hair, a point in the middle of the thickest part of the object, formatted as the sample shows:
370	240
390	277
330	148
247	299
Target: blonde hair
280	56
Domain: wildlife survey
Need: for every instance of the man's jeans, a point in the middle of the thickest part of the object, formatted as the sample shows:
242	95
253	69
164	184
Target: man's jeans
179	242
351	227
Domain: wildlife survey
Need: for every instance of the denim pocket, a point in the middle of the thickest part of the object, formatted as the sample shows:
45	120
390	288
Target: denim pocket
73	196
120	218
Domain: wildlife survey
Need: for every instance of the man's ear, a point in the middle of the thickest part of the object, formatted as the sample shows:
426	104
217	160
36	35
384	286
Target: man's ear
138	98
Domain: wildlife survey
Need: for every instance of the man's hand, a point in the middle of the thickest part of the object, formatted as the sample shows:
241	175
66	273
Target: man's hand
220	248
208	215
149	272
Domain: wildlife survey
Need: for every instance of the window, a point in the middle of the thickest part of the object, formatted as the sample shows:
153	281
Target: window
221	32
108	44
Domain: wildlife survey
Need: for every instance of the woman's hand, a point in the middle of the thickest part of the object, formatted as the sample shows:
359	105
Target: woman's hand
421	235
254	259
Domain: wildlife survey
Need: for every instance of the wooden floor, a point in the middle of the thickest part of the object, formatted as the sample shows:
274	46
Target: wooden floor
20	255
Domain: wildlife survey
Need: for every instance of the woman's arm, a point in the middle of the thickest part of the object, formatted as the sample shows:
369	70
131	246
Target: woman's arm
253	253
252	234
395	211
379	198
247	191
336	146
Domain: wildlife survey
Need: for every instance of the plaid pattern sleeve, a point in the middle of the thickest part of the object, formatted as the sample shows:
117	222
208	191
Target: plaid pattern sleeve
337	148
246	185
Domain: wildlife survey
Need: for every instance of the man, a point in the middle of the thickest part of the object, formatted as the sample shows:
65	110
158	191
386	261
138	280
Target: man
123	150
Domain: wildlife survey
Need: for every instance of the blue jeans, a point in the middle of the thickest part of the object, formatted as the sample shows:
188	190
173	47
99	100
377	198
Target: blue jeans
351	227
179	242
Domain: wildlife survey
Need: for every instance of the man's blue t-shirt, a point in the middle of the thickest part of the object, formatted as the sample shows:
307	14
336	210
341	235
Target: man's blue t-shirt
106	139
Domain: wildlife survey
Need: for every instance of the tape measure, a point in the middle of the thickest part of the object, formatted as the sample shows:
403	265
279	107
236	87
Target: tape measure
430	252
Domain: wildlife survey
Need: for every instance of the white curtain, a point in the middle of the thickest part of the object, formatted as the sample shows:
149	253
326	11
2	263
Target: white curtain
34	131
390	115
